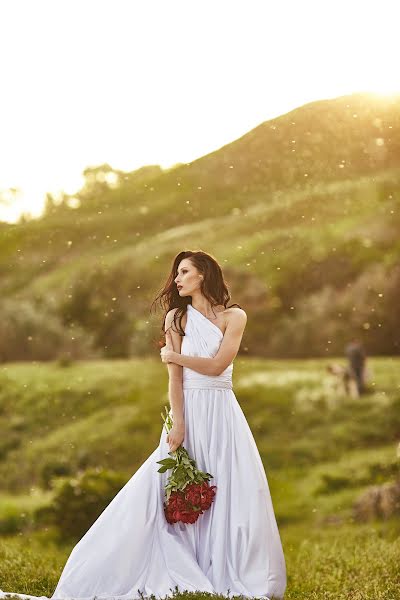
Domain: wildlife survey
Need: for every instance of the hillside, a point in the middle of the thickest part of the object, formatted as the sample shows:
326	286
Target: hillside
107	413
309	206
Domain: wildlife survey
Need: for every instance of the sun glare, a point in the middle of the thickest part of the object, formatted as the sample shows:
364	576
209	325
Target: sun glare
177	92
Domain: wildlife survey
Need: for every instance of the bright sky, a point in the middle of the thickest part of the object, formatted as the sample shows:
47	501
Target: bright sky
132	82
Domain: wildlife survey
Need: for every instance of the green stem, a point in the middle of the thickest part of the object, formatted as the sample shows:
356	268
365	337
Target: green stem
168	423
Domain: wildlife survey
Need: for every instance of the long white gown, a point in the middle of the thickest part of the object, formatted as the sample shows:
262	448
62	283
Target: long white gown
233	548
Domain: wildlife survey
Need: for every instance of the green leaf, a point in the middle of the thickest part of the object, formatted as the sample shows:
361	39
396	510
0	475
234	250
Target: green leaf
170	462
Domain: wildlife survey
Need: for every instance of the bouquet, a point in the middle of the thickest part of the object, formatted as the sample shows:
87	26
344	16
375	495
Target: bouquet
187	492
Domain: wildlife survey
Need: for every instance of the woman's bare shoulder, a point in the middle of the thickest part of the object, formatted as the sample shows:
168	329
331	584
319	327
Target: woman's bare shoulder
170	314
235	310
236	315
169	319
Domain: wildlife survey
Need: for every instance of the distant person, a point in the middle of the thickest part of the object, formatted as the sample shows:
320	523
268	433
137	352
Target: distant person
345	378
357	358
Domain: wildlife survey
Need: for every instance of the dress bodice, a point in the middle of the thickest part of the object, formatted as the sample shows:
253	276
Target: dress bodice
203	338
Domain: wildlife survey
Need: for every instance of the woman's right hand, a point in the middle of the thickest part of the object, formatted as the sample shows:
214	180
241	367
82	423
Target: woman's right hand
176	436
167	351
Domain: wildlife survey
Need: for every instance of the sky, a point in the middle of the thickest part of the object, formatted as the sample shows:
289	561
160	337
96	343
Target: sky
129	83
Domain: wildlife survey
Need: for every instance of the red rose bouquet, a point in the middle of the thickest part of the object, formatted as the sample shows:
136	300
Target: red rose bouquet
187	492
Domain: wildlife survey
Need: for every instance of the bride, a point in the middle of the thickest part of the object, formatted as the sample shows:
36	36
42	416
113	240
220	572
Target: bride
234	548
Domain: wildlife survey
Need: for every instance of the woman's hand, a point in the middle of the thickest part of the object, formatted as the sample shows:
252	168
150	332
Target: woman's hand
167	352
176	436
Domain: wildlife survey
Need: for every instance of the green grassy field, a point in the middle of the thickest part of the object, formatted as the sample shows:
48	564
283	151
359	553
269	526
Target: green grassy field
344	562
320	449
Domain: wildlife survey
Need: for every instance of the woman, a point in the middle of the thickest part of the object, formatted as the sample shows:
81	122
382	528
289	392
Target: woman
234	547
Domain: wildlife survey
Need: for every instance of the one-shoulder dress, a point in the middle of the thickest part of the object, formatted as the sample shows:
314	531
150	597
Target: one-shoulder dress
234	547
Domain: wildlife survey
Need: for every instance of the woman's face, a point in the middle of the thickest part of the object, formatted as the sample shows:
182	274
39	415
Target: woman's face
188	279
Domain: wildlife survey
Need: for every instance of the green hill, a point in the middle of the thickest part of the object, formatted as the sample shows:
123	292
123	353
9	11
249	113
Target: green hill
308	207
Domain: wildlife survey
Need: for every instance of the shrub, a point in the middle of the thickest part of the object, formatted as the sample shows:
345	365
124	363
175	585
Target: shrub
30	331
51	470
79	501
14	521
378	502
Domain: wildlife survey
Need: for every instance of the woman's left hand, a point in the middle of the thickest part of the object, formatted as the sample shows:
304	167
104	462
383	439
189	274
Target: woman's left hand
167	353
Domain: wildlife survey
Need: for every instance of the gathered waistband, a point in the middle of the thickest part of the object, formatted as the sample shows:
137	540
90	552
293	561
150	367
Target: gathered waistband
205	382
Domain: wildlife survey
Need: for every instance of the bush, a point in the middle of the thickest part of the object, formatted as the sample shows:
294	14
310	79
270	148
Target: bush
51	470
30	331
333	483
325	320
14	521
79	501
378	502
99	302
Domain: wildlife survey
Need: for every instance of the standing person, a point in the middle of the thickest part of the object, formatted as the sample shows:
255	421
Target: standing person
357	357
234	548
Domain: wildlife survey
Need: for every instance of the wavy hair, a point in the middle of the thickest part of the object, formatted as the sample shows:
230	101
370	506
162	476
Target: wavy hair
213	287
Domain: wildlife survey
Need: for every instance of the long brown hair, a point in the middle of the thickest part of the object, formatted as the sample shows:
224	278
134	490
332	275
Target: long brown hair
213	287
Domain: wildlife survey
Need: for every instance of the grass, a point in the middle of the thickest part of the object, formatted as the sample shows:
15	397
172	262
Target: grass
320	451
345	562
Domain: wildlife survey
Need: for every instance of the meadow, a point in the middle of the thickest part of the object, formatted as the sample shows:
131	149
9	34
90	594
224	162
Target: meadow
321	451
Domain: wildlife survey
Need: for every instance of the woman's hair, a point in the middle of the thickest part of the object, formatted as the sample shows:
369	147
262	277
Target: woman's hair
213	287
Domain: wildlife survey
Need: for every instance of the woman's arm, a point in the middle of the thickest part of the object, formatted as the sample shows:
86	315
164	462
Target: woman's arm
175	390
228	349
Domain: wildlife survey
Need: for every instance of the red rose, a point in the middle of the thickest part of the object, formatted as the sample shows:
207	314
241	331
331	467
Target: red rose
190	516
192	494
207	495
177	515
169	515
187	506
177	500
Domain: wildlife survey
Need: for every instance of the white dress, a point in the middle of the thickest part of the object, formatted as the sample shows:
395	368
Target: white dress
233	548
